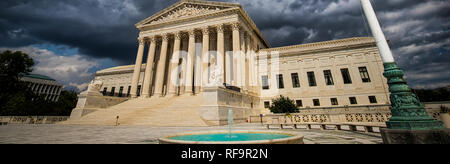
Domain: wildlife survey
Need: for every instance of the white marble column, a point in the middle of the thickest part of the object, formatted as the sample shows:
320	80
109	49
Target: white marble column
242	60
160	71
137	68
228	61
236	53
255	71
205	56
149	68
198	64
247	63
173	82
221	51
190	62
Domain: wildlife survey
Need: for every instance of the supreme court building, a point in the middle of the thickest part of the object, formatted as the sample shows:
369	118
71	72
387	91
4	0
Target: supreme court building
211	57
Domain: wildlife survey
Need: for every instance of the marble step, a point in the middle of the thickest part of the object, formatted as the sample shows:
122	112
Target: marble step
155	111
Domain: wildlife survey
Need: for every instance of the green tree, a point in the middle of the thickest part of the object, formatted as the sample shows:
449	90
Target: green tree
66	102
430	95
15	97
283	105
13	65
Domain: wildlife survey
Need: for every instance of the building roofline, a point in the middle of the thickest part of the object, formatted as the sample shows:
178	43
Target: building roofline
325	44
38	76
233	6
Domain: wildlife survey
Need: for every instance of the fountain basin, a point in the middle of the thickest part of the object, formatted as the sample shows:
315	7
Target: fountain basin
237	137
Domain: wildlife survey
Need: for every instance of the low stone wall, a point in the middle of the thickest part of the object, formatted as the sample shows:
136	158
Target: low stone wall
218	100
376	114
33	119
436	106
90	101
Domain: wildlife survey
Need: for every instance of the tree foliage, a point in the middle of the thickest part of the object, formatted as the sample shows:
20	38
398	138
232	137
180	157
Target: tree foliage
283	105
15	97
430	95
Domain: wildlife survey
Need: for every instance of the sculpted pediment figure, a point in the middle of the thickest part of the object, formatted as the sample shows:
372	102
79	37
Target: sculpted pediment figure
185	9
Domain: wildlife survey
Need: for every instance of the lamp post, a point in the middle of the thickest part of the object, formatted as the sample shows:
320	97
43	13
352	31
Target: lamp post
407	111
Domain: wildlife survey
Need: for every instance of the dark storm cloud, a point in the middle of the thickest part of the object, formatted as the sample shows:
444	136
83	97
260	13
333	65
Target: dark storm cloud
99	28
418	30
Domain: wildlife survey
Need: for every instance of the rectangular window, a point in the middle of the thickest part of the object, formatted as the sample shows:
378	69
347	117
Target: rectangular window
120	91
346	76
334	101
316	102
265	82
129	90
295	80
364	74
353	100
280	81
312	79
266	104
372	99
112	91
328	77
138	93
299	103
104	91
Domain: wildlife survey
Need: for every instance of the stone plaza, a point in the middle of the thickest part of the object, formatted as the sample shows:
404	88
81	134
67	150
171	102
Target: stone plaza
82	134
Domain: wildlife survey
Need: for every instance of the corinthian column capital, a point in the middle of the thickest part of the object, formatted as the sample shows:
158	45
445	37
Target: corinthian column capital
151	39
191	32
235	26
178	35
205	30
141	41
165	37
220	28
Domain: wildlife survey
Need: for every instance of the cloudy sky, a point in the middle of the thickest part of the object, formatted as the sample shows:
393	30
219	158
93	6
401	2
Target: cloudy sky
71	39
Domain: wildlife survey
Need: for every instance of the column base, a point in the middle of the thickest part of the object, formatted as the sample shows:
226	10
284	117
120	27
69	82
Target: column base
188	90
172	94
400	136
197	89
144	96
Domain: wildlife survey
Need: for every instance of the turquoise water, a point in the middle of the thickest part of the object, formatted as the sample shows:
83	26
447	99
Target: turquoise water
234	137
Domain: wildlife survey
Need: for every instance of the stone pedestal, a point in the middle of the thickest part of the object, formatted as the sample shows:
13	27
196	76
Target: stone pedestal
400	136
218	100
90	101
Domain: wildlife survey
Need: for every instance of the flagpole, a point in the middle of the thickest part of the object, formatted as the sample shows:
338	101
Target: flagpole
407	111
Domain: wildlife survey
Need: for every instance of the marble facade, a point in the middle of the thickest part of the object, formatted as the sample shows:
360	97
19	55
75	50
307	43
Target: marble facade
199	47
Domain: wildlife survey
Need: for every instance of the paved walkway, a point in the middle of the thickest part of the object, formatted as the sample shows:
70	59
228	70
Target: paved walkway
78	134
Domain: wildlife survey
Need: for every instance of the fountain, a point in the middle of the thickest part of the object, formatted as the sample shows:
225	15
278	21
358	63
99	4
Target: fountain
230	122
234	137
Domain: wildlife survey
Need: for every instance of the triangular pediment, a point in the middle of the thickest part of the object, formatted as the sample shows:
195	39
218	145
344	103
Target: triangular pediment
186	9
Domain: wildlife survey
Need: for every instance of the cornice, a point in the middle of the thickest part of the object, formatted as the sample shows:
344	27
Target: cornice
118	70
113	72
324	46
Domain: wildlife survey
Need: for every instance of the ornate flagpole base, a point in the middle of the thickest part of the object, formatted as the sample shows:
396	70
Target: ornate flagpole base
407	111
410	123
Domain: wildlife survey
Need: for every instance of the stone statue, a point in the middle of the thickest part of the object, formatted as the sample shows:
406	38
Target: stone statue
215	78
95	86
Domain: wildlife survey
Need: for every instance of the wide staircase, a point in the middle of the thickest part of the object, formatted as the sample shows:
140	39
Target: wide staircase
155	111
